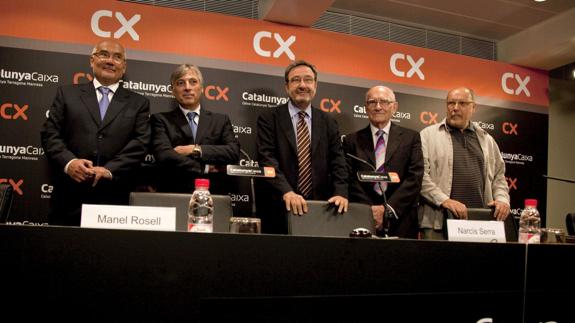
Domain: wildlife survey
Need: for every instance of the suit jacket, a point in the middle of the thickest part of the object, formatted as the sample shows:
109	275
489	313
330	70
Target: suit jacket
216	138
403	156
277	147
74	129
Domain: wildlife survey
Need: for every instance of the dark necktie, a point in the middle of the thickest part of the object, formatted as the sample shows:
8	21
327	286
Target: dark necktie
380	159
193	124
303	156
104	101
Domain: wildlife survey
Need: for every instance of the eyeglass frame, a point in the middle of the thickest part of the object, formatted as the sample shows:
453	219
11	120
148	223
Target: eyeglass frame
298	80
105	55
376	102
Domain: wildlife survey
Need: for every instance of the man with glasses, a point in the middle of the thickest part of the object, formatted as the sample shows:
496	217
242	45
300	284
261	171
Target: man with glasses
96	134
190	141
388	147
463	168
303	144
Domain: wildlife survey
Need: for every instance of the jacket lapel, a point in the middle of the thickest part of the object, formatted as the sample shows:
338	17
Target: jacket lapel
393	141
118	103
365	145
203	125
287	126
181	121
90	100
316	130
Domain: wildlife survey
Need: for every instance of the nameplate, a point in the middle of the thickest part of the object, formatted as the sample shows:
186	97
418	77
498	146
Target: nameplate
128	217
367	176
475	231
250	171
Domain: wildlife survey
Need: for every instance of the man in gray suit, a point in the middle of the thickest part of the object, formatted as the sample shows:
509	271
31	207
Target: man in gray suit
96	134
190	141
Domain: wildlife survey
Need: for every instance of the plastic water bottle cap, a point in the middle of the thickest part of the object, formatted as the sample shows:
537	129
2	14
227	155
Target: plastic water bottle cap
202	182
531	202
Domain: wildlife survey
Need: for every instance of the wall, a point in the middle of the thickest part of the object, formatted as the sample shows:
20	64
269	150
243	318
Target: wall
561	195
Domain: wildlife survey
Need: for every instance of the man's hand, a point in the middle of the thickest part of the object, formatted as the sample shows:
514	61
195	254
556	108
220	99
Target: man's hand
501	210
80	170
295	203
458	209
339	201
185	150
378	215
101	172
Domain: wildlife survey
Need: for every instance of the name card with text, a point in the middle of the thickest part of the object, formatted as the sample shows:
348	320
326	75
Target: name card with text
128	217
475	231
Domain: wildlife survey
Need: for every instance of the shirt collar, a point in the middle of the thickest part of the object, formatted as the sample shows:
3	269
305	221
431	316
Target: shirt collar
185	111
112	87
375	129
293	110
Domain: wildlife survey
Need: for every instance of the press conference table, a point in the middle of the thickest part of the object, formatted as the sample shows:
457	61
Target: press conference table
95	274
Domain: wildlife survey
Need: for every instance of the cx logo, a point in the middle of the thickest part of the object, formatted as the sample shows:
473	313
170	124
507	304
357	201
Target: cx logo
80	75
219	94
283	45
127	25
10	111
415	66
330	105
15	185
521	84
511	183
427	117
509	128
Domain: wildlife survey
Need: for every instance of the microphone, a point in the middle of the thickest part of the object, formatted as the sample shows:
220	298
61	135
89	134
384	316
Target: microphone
251	185
388	213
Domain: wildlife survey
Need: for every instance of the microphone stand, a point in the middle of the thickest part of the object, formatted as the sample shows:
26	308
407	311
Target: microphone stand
386	211
251	185
560	179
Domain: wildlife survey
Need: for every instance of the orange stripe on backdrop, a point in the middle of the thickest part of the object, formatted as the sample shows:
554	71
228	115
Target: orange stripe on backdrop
234	39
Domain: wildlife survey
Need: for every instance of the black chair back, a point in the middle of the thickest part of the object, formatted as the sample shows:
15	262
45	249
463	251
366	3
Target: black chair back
322	219
570	223
482	214
6	193
222	207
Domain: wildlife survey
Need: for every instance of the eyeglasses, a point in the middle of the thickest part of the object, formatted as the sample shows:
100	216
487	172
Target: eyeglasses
373	102
306	80
463	104
117	57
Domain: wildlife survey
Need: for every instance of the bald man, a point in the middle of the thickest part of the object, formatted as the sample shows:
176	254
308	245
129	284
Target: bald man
389	148
96	134
463	167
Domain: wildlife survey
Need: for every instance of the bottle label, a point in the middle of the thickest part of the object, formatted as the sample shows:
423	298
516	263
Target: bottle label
526	237
200	227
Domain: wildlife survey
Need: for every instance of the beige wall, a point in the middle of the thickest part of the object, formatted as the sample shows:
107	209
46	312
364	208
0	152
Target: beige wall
561	195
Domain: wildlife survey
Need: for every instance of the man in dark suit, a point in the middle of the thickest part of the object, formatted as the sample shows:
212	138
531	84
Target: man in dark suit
303	144
389	148
190	141
94	137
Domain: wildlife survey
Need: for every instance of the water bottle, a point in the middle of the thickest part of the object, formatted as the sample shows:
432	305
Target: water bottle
201	208
530	223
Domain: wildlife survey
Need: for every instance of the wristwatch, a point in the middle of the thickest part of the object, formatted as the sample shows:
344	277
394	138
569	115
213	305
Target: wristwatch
197	152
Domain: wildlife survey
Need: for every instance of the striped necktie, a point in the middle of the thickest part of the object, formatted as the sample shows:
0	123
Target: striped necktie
303	156
379	160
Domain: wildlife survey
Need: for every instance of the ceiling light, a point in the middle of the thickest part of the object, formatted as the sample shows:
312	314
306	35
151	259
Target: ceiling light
573	73
540	0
